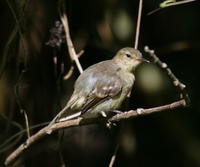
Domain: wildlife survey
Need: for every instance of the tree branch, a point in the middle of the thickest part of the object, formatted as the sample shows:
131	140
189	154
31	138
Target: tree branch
80	121
175	80
70	45
170	3
113	158
137	33
166	4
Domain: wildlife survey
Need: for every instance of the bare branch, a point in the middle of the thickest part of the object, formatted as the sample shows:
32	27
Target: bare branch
70	46
69	73
174	79
80	53
71	70
138	24
168	4
80	121
135	113
27	123
112	161
19	103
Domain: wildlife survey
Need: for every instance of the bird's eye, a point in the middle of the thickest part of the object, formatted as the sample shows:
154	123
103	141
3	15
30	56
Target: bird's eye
128	55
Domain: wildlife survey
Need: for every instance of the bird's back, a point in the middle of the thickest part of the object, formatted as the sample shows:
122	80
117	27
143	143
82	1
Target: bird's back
103	72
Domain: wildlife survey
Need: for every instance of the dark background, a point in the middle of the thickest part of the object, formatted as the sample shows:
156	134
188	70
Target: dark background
31	81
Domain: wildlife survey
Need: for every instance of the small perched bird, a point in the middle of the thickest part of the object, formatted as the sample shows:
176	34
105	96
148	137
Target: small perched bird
102	87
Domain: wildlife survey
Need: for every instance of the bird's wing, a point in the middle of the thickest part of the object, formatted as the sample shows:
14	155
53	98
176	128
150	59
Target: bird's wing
96	84
102	91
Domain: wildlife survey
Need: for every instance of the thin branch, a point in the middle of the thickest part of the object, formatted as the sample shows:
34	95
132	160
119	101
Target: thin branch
135	113
62	162
154	11
69	73
64	20
138	24
19	103
174	79
165	5
80	53
112	161
71	70
70	45
80	122
27	123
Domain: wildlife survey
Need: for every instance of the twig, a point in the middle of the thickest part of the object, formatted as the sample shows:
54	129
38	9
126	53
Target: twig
165	5
61	136
80	121
80	53
69	73
70	46
112	161
175	80
27	123
71	70
64	20
138	24
19	103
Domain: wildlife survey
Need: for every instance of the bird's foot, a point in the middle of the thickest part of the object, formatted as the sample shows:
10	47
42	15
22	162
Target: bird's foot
109	124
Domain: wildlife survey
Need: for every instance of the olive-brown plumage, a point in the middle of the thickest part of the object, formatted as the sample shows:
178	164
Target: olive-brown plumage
102	87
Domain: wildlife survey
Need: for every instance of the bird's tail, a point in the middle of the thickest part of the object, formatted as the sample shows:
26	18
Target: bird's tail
59	118
72	116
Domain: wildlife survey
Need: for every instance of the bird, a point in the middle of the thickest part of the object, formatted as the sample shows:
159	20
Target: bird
102	87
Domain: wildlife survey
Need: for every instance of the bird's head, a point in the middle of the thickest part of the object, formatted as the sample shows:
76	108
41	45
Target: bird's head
128	58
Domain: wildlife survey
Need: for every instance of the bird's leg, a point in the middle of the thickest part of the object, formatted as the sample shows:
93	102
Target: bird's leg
109	124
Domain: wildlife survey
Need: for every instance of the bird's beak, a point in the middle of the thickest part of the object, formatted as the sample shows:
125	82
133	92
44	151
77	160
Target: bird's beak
143	60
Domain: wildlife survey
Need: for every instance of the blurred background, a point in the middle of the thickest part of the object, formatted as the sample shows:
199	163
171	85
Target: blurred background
34	61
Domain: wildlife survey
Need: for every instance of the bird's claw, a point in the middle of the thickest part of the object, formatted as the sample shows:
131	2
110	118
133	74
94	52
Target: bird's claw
109	124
